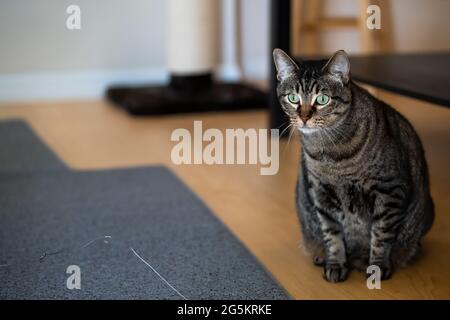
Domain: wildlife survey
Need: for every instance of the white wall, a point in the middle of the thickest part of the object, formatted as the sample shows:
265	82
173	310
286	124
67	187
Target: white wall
114	34
41	58
125	41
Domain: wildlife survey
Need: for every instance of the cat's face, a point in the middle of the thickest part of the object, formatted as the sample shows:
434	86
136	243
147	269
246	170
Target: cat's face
315	94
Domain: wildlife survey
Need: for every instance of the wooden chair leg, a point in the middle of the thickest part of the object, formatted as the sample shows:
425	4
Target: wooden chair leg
368	42
296	26
307	23
377	40
385	33
313	13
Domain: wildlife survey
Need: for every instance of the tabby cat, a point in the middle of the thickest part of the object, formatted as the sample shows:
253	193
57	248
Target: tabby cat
363	193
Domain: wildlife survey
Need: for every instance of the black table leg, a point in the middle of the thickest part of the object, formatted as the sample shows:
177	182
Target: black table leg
280	38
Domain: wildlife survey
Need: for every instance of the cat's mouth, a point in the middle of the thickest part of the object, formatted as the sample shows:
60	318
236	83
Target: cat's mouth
307	126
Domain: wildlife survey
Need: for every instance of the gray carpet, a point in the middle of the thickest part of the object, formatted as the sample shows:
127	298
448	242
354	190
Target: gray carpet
22	150
68	214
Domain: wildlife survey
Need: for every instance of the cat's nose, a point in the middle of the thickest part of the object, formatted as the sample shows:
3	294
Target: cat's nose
305	113
305	116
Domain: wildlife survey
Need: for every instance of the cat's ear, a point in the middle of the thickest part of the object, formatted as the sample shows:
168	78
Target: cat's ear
339	66
284	64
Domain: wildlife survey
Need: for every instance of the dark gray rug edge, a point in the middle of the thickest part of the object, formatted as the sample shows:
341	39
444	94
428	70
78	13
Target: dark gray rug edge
136	171
22	149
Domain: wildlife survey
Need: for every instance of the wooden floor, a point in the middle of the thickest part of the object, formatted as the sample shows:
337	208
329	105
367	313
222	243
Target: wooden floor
258	209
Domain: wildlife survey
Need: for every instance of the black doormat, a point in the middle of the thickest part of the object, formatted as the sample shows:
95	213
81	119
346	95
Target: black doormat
162	100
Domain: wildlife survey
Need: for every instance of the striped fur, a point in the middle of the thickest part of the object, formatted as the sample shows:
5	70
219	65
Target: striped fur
363	193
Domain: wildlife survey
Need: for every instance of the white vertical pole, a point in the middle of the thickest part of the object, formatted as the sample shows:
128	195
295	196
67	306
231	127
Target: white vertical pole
192	40
230	69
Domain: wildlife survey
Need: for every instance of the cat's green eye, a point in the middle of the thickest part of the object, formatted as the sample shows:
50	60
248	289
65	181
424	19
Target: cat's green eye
322	99
293	98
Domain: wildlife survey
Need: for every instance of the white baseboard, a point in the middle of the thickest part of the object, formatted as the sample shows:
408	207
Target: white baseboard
68	85
92	84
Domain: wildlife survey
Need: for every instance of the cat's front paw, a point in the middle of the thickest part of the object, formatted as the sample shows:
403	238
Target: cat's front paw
334	272
385	269
319	261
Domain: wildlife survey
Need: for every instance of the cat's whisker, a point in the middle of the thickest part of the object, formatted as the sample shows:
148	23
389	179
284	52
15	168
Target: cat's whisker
321	141
290	127
342	134
290	135
282	124
330	138
284	130
338	134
